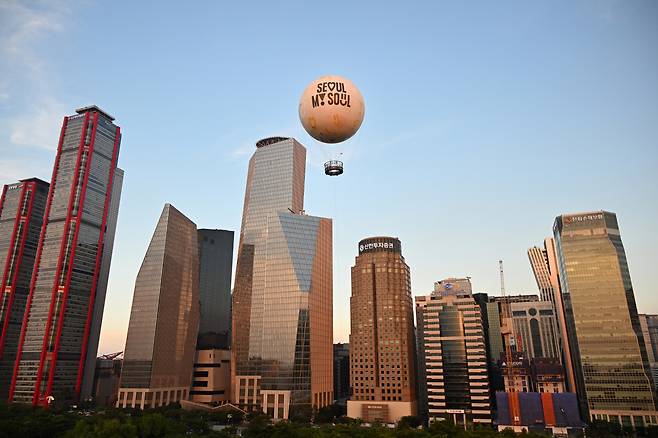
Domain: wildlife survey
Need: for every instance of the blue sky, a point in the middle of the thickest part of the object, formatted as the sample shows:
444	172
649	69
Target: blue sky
484	120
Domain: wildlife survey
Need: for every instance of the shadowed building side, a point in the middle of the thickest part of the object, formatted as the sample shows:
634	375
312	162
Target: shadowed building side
215	264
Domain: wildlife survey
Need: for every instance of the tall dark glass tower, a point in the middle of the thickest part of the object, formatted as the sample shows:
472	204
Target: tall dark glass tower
21	216
613	379
59	338
215	264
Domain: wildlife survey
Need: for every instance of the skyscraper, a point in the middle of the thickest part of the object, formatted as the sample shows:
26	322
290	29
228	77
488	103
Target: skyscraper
452	354
164	319
607	350
215	264
212	377
545	268
21	216
382	338
282	298
57	349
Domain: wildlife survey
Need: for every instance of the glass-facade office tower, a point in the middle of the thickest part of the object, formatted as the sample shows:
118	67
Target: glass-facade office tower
452	354
57	349
164	319
215	264
382	338
22	205
282	298
610	361
545	268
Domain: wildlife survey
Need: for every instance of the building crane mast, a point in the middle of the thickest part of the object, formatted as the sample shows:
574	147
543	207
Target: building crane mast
507	330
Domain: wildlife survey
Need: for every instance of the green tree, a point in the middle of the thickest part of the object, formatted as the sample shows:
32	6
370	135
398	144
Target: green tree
410	422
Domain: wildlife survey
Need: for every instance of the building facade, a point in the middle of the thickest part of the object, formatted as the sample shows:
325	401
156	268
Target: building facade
610	360
554	414
22	205
341	373
491	307
382	337
453	354
535	328
56	356
106	379
545	269
649	325
282	298
211	378
215	264
164	319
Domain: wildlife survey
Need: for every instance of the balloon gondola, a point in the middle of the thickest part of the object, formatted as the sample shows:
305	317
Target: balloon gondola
333	168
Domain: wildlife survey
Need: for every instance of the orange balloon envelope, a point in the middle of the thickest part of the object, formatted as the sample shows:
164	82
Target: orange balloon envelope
331	109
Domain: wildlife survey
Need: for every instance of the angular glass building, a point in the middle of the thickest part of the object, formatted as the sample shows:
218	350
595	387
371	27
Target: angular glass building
215	265
611	366
21	216
382	337
57	348
164	320
282	298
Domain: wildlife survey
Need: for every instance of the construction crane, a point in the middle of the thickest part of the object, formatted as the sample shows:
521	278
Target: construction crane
507	331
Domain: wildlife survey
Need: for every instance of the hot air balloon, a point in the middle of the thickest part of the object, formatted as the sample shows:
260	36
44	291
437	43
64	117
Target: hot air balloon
331	110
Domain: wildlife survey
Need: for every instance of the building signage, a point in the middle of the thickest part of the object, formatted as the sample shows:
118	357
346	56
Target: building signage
379	245
583	218
455	411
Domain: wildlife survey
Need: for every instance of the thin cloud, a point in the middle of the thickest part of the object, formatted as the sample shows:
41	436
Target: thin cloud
40	126
12	170
26	87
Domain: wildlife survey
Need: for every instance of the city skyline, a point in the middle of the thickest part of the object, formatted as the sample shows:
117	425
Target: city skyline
505	131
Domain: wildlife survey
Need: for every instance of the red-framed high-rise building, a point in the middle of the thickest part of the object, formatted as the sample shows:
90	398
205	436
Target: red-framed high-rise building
21	216
61	325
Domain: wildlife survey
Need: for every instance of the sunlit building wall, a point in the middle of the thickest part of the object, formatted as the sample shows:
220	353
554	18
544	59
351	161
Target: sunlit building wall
382	336
545	269
453	355
610	359
164	319
282	325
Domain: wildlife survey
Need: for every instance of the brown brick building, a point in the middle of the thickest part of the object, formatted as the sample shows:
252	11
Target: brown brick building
382	370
